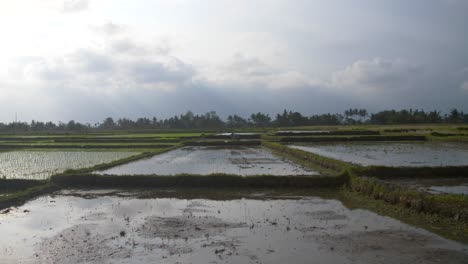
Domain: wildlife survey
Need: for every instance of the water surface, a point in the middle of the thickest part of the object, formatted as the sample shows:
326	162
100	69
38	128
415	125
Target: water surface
411	154
87	227
39	165
207	160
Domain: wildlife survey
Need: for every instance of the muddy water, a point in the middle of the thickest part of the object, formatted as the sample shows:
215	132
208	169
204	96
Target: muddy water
393	154
87	227
206	160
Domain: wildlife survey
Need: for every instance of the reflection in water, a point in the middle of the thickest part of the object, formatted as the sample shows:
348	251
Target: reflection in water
77	227
409	154
207	160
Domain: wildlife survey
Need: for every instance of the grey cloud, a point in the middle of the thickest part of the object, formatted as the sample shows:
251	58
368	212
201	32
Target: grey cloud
464	86
73	6
127	46
156	72
105	70
248	66
92	62
130	47
253	72
54	70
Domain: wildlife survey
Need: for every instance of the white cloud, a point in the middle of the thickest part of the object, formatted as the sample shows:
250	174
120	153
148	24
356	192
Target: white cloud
73	6
252	72
376	75
109	28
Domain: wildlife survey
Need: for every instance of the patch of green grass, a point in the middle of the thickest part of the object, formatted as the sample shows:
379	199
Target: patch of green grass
85	146
351	138
161	135
385	172
444	205
328	133
324	165
19	197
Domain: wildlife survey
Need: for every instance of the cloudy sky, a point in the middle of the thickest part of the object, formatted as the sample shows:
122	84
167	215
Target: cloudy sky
88	59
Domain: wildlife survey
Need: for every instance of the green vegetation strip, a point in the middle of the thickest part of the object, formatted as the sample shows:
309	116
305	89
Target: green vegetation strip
441	134
411	172
186	180
231	137
223	143
444	205
82	146
120	140
93	139
324	165
22	196
13	185
352	138
329	133
446	227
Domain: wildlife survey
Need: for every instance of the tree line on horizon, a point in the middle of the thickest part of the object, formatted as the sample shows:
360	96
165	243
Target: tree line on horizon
211	120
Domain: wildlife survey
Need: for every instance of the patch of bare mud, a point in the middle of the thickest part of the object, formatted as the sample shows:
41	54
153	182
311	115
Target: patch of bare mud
391	247
186	227
326	215
80	244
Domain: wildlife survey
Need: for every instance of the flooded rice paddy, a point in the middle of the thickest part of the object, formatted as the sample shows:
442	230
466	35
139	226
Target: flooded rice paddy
40	165
243	161
121	227
393	154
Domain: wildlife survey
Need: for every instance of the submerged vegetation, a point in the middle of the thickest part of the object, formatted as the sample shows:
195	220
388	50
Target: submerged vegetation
42	164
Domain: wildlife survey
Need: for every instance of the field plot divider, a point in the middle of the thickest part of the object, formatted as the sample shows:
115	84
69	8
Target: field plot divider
324	165
215	180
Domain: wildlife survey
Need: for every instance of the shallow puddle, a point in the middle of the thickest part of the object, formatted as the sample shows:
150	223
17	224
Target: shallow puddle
394	154
207	160
73	227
